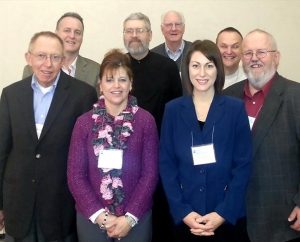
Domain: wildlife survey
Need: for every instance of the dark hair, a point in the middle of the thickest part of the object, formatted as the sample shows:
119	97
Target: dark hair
211	51
113	60
45	34
72	15
229	29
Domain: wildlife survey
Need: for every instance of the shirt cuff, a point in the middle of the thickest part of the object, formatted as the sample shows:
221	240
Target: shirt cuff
95	215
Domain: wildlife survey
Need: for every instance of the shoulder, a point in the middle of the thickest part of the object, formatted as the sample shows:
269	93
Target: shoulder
88	62
144	116
159	48
183	101
25	83
232	102
161	60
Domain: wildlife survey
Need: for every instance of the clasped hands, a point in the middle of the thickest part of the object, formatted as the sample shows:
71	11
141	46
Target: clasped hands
116	227
203	225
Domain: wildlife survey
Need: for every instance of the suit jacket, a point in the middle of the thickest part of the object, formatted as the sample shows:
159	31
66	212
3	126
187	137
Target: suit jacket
274	185
86	70
33	171
180	62
220	186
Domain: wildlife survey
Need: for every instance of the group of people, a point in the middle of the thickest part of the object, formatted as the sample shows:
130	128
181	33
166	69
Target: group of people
176	143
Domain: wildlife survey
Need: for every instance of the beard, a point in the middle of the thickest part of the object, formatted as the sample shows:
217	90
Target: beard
258	80
141	49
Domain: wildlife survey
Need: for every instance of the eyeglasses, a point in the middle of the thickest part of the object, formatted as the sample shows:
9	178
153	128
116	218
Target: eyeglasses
137	31
171	25
260	54
43	57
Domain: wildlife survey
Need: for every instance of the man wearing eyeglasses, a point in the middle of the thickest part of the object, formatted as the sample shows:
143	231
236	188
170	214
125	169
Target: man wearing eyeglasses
69	28
273	106
175	47
156	81
37	115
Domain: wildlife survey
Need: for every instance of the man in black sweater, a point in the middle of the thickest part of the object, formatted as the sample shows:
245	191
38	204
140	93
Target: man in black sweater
156	81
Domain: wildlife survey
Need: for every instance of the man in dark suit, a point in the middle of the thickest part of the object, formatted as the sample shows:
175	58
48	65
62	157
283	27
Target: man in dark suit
175	47
37	115
69	28
273	106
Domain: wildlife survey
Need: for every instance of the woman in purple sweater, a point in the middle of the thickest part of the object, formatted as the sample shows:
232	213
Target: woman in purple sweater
113	161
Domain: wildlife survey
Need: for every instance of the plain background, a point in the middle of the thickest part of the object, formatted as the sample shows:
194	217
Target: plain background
103	19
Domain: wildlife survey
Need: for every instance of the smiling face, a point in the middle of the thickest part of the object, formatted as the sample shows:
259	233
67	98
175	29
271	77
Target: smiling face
259	70
230	46
203	73
172	28
70	30
115	85
45	58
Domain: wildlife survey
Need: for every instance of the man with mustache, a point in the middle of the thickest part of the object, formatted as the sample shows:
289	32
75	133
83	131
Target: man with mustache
273	106
156	81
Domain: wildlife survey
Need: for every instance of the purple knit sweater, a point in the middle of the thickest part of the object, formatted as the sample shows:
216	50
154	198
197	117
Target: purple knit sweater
139	171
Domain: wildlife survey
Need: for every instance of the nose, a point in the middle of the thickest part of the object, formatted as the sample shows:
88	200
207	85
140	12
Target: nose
229	50
48	61
202	71
173	27
116	83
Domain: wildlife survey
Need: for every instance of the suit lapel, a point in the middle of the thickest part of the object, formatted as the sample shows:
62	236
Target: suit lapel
80	68
25	99
216	112
268	113
60	97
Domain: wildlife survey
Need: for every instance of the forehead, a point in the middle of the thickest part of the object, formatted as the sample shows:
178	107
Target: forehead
198	56
70	22
229	38
257	40
134	24
47	45
172	17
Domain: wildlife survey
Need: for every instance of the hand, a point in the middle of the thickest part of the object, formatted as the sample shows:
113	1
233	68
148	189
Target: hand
120	228
1	219
196	228
209	223
110	219
295	218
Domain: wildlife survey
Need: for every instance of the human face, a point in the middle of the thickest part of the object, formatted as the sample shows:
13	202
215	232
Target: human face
45	69
259	70
203	74
230	46
172	28
115	86
137	43
70	30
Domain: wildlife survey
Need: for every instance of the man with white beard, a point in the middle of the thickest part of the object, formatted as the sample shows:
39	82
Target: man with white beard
273	106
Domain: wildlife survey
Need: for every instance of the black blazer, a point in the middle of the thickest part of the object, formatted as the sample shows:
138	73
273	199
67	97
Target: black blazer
274	185
33	171
180	62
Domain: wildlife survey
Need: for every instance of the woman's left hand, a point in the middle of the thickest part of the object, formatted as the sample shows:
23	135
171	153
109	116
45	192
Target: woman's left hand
120	229
210	222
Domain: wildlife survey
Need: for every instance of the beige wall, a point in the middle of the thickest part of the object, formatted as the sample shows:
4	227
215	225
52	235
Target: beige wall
20	19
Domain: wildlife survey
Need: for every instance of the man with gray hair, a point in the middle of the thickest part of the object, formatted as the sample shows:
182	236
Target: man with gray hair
175	47
273	106
156	81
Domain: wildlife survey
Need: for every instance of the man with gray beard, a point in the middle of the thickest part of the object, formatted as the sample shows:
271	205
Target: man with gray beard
273	106
156	81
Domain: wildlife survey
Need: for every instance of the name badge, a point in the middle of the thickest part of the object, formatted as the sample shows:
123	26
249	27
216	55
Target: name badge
110	159
204	154
251	121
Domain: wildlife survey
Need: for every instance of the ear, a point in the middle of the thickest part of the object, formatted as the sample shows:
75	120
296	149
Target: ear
28	58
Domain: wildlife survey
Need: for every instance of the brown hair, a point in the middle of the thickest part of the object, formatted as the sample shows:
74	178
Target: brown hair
211	51
113	60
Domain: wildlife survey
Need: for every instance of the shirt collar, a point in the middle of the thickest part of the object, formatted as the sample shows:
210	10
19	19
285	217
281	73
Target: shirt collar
35	84
179	50
265	90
